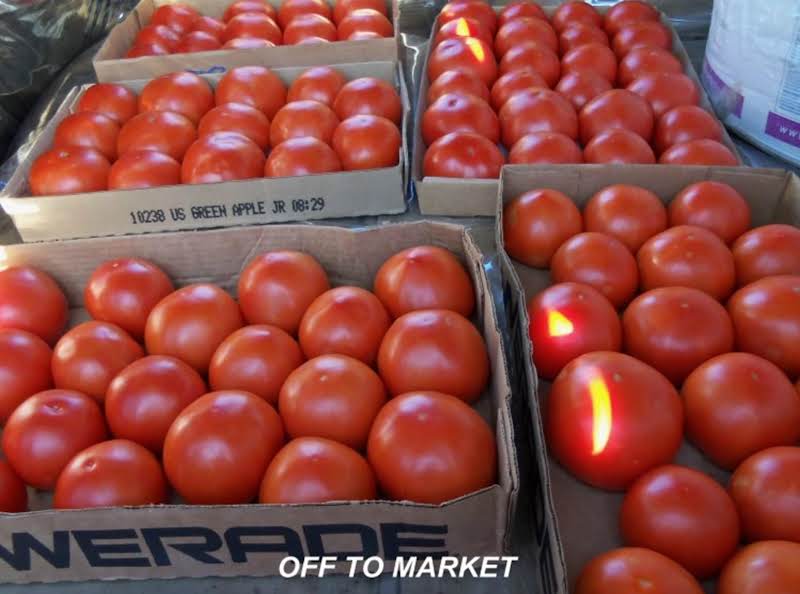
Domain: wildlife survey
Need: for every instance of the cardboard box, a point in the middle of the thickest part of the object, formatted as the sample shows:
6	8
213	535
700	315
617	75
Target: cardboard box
579	522
244	202
192	541
477	197
110	64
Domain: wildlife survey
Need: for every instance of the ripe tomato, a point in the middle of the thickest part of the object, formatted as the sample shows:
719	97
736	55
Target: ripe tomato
362	35
578	34
430	447
464	155
237	117
332	396
13	494
222	156
596	57
292	8
768	567
179	92
247	43
645	60
642	33
545	147
31	300
24	370
582	86
665	90
72	170
676	329
179	17
715	206
510	84
699	152
341	8
301	156
554	315
575	12
139	50
687	256
143	400
476	9
253	24
255	359
368	96
243	6
618	147
191	323
229	435
434	349
537	110
683	514
364	19
321	83
308	25
254	85
628	12
770	250
47	430
161	131
629	213
531	54
521	30
197	41
599	261
617	109
100	476
683	124
626	570
536	223
367	142
114	101
518	9
312	39
316	470
767	495
463	27
610	418
158	36
462	82
463	53
457	112
143	169
766	316
299	119
216	27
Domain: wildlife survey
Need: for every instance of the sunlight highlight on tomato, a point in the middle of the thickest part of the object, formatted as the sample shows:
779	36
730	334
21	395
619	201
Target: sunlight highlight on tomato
601	414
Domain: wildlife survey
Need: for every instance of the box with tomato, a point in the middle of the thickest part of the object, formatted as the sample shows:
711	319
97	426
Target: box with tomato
563	85
212	36
658	314
185	151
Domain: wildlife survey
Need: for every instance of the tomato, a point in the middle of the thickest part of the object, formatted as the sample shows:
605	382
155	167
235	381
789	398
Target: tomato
424	277
198	41
665	90
114	101
768	567
247	43
364	19
462	82
464	155
24	370
599	261
456	112
143	169
44	432
72	170
321	83
315	39
617	109
686	123
619	147
766	316
180	92
629	213
289	9
676	329
253	24
519	9
770	250
645	60
521	30
13	494
367	142
161	131
578	34
686	256
537	110
715	206
463	53
628	12
643	33
254	85
699	152
158	35
596	57
531	54
222	156
301	156
510	84
243	6
582	86
463	27
368	96
316	470
341	8
143	399
303	118
627	570
480	11
575	12
277	287
31	300
361	35
610	418
191	323
237	117
230	436
536	223
304	26
216	27
429	447
139	50
179	17
545	148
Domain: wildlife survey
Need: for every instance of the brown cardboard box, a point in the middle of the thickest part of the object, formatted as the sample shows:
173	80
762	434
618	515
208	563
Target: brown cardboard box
476	197
245	202
111	65
192	541
581	522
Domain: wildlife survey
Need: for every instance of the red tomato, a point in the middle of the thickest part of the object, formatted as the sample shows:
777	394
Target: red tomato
581	87
72	170
254	85
510	84
480	11
112	100
161	131
646	60
599	261
521	30
24	370
537	110
596	57
31	300
316	470
643	33
230	436
243	6
463	82
545	148
619	147
738	404
617	109
140	50
578	34
715	206
434	349
766	316
304	26
367	142
143	169
575	12
463	53
247	43
770	250
157	36
463	27
237	117
767	494
676	329
47	430
624	571
457	112
683	514
683	124
180	17
303	118
13	494
464	155
143	399
429	447
368	96
610	418
361	35
253	24
197	41
255	359
531	54
301	156
768	567
687	256
628	12
341	8
216	27
191	323
629	213
665	90
180	92
100	476
292	8
699	152
321	83
222	156
536	223
518	9
364	19
332	396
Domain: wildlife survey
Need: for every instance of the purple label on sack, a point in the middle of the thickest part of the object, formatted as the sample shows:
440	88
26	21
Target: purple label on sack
783	129
731	100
